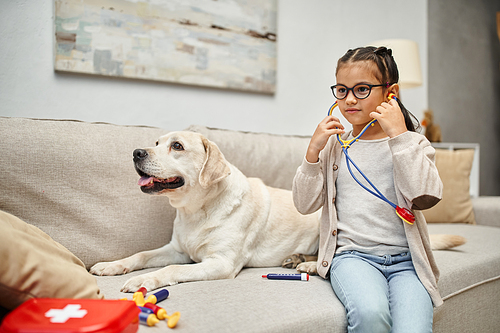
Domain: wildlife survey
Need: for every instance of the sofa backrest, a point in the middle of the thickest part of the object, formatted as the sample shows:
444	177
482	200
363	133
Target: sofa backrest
76	181
273	158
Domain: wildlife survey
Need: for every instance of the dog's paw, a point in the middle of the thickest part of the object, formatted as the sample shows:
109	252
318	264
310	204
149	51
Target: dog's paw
293	260
149	281
109	268
308	267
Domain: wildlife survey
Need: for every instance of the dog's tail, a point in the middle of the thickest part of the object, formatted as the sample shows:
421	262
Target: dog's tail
444	242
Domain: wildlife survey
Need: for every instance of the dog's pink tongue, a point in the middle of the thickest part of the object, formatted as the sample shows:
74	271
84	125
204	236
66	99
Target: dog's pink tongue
145	181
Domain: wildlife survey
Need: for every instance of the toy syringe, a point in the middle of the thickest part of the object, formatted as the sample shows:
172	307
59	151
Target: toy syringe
301	276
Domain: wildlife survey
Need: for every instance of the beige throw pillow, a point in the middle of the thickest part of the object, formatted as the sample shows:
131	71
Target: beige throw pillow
33	265
454	168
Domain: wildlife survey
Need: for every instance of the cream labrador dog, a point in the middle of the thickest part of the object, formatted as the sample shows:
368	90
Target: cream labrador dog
225	221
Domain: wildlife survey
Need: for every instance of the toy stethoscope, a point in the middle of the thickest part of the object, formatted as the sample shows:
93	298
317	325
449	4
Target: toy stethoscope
403	213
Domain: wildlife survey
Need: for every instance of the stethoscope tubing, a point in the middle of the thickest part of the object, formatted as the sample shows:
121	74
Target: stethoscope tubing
345	145
378	194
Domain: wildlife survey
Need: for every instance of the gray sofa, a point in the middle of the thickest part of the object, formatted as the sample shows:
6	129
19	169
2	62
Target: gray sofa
76	182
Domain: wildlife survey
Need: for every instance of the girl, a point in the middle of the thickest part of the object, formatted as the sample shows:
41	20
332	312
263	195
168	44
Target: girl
381	268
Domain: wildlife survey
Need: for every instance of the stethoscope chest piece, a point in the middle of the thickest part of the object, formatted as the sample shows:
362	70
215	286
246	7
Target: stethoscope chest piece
405	214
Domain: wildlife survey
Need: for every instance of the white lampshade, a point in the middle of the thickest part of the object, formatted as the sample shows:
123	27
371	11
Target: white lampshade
405	53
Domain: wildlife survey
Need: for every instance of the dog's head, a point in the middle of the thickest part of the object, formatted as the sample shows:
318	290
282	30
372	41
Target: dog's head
180	161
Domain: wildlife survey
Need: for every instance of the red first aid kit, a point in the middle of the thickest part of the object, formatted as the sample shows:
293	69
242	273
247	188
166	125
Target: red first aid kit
43	315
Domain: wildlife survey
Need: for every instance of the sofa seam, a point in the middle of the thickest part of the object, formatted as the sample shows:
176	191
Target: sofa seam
458	292
80	121
190	128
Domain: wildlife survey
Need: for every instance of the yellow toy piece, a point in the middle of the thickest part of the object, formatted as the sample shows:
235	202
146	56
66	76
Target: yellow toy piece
173	319
151	299
162	314
152	320
138	298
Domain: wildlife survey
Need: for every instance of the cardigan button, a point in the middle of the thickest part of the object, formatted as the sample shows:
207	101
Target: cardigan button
334	233
335	167
324	263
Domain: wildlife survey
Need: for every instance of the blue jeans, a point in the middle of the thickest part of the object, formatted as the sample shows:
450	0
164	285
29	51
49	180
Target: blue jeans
381	294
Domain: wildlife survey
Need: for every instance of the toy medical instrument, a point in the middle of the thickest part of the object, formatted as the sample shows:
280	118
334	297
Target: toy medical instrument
146	310
150	312
403	213
301	276
157	297
148	319
161	313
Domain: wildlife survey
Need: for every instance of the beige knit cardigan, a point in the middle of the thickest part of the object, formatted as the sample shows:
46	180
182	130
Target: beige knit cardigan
418	187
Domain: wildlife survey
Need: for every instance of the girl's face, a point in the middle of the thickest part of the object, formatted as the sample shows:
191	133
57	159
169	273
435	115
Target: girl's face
357	111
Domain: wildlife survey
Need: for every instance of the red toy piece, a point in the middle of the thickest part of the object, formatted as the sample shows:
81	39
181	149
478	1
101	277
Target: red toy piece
406	215
143	290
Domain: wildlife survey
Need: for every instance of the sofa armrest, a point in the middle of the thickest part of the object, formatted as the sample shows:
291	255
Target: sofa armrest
487	210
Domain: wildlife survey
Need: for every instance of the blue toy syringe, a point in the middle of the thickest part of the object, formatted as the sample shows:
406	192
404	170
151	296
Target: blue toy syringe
301	276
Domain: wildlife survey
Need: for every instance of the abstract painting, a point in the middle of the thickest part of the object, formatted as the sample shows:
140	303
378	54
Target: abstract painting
228	44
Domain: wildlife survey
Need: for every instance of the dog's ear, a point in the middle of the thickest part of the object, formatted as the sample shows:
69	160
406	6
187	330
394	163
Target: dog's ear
215	167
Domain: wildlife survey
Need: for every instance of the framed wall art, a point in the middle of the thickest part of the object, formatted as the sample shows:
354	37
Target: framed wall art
228	44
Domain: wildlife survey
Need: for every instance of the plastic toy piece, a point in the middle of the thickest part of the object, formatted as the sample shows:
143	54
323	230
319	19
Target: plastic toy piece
405	215
301	276
143	290
161	313
138	298
146	310
334	105
148	319
158	296
347	143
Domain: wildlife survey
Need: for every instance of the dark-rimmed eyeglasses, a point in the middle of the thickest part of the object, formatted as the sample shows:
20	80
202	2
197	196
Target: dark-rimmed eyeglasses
360	91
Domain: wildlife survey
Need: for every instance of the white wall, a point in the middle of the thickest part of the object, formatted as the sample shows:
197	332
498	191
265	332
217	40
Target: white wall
312	35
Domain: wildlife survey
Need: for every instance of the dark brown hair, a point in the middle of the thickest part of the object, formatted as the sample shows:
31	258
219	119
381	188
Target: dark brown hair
387	73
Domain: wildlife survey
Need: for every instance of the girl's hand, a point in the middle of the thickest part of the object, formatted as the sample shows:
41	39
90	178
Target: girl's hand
327	127
390	118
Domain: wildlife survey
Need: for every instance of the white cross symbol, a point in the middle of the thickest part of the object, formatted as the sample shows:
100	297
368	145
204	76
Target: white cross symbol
62	315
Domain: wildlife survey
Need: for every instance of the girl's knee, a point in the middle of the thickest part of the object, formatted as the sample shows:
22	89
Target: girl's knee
371	318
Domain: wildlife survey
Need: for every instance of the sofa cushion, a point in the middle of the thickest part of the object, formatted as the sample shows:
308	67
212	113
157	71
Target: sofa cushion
454	168
272	158
32	265
76	182
249	303
470	279
487	210
475	262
